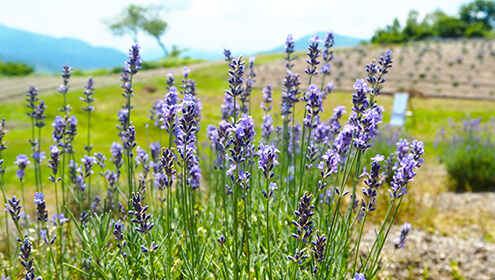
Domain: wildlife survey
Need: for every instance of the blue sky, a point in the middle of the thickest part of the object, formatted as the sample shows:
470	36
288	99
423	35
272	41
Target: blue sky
242	25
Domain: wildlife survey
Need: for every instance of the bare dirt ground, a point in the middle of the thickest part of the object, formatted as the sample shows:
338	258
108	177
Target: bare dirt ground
454	69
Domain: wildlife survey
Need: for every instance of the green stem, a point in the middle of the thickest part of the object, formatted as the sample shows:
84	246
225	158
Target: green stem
267	215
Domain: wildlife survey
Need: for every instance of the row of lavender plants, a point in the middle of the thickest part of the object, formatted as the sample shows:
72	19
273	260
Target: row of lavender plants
289	203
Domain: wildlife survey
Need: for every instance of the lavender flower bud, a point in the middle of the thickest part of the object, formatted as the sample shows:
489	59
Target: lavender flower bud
170	80
39	200
26	259
14	208
314	101
289	49
401	241
304	225
268	158
22	161
266	104
313	54
330	163
140	213
236	72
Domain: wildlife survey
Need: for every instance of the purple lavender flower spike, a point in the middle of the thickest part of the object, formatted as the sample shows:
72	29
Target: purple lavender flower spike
313	54
22	161
227	54
14	208
268	159
141	216
407	161
400	241
314	101
267	127
318	250
359	99
88	162
26	259
330	163
39	200
289	49
170	80
134	62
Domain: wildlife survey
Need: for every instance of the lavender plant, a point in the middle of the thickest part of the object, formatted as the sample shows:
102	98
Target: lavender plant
171	211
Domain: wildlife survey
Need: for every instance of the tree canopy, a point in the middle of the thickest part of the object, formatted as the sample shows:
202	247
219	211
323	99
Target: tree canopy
475	19
135	19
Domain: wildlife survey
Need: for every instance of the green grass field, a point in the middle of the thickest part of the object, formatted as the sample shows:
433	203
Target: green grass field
430	115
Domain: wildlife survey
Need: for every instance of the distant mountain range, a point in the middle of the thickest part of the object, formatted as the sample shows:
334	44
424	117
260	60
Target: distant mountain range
49	54
303	43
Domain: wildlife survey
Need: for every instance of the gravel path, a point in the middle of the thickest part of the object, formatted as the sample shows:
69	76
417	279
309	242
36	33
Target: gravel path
464	253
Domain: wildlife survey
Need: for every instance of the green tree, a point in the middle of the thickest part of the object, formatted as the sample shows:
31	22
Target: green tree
449	27
134	19
479	11
391	34
156	27
129	22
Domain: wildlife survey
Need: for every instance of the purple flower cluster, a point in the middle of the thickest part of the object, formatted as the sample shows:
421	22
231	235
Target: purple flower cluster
168	111
267	160
330	163
338	112
366	126
242	135
188	85
290	94
327	53
166	179
400	241
39	200
376	72
318	250
236	80
266	104
14	208
43	236
170	80
304	225
186	140
134	62
227	54
408	159
117	155
88	92
359	276
88	162
359	98
313	54
314	101
220	141
22	161
53	163
373	181
118	233
245	97
140	213
267	127
289	49
26	259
